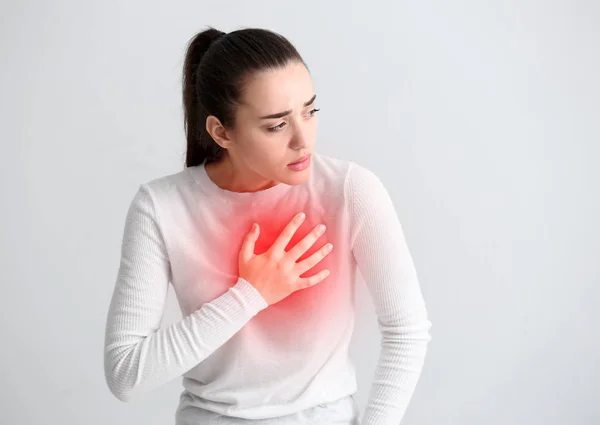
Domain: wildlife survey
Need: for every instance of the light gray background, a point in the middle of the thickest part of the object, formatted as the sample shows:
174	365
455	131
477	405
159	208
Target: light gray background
481	118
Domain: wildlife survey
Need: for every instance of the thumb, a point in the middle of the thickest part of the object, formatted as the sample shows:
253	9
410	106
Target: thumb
248	246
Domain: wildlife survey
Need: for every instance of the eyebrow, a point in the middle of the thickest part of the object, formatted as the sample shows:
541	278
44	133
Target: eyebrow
284	113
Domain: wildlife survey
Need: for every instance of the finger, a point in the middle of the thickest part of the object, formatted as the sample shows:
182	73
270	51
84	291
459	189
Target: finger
306	282
247	250
301	247
308	263
287	233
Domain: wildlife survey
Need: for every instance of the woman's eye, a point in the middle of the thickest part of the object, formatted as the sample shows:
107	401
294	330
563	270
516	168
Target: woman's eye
277	127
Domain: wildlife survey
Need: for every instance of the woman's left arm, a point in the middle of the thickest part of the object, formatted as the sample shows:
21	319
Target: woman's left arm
383	258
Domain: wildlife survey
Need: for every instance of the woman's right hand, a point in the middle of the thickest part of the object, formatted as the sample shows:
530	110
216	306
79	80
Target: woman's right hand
275	273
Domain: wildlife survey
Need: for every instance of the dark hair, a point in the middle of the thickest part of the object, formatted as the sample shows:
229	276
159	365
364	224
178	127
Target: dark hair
215	69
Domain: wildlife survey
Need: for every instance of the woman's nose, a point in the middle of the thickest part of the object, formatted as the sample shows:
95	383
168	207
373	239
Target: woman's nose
299	138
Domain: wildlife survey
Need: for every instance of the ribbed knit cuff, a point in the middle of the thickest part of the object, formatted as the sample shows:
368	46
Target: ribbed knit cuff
249	295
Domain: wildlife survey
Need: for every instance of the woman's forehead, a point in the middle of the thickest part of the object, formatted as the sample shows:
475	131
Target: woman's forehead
277	90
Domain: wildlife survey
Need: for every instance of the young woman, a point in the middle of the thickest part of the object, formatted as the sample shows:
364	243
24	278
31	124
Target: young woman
267	295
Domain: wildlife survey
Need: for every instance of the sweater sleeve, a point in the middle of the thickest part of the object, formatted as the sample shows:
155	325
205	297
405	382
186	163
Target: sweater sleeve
138	355
383	258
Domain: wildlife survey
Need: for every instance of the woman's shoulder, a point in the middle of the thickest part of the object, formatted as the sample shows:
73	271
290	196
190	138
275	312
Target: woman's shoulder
344	172
166	191
330	165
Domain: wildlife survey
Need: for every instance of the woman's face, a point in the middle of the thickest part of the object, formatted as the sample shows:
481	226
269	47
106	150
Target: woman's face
275	125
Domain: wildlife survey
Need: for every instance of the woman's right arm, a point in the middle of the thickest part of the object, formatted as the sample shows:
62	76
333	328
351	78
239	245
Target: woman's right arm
138	354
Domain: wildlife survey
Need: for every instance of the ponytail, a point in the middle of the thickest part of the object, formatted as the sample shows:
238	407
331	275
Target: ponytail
200	145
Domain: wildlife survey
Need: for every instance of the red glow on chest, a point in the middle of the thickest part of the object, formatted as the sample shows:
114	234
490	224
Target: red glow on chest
308	301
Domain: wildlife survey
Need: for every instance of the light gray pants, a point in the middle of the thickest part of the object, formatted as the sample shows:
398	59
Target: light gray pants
340	412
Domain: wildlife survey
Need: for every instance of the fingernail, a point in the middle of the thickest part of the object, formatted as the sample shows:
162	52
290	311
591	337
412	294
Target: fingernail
320	228
301	216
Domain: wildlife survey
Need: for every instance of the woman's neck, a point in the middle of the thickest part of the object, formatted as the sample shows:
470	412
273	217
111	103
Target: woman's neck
228	176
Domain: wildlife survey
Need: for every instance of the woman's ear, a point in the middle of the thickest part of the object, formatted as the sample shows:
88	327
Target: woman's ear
218	132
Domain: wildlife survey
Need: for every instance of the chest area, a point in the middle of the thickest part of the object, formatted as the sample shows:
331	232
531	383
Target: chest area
204	253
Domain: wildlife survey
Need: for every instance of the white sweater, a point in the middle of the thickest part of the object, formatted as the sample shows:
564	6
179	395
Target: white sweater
238	356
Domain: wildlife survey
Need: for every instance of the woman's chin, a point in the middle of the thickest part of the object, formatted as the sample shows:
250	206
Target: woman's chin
297	177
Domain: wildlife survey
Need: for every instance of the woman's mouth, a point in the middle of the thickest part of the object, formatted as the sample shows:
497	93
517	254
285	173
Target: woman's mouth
300	164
